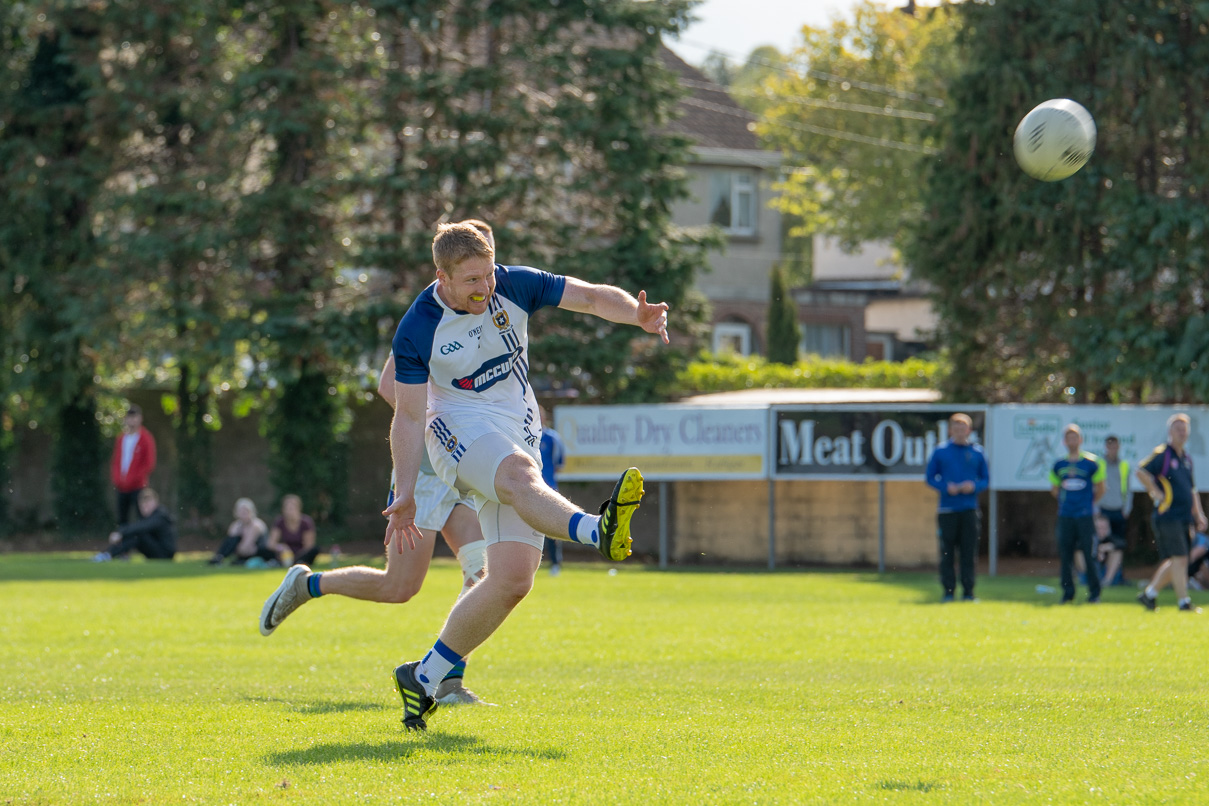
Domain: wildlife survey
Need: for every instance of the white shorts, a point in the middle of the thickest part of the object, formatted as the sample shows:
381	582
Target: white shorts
449	436
470	451
434	501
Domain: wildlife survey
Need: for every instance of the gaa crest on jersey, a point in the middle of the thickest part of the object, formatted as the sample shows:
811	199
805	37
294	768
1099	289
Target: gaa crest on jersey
500	318
451	444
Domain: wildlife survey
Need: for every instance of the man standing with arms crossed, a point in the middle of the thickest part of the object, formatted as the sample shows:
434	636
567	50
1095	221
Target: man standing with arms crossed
462	391
958	471
1167	477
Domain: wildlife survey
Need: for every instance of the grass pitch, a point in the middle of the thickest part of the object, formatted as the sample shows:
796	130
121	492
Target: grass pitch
148	683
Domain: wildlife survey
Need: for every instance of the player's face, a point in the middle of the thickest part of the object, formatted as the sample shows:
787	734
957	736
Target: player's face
959	432
1072	439
469	286
147	506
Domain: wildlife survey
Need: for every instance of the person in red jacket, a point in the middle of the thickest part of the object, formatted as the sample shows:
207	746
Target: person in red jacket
132	463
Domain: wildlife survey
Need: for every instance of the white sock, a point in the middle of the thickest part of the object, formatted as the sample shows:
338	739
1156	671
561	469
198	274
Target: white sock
473	558
436	664
1151	592
585	529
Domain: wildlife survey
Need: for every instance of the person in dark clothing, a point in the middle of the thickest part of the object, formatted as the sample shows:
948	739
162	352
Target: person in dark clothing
958	471
553	458
1168	479
1077	481
154	534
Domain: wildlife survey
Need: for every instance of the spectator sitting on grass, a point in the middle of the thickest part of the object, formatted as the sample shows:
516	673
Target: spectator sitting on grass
294	531
247	538
153	534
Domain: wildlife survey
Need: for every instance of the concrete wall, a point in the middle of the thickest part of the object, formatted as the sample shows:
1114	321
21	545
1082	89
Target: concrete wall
830	522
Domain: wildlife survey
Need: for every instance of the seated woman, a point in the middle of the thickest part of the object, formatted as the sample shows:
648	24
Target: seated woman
294	531
247	537
154	534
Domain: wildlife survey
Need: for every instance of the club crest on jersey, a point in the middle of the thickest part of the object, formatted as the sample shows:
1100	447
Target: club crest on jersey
489	374
451	444
500	318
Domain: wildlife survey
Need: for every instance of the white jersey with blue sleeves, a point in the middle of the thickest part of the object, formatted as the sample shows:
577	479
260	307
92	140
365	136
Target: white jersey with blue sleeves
477	365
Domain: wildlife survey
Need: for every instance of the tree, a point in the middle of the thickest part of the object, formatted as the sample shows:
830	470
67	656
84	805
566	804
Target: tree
1092	289
849	112
56	148
783	333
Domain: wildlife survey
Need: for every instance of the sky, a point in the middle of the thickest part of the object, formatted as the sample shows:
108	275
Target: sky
735	27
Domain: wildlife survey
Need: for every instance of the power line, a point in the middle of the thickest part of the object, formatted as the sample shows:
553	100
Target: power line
811	129
830	78
802	100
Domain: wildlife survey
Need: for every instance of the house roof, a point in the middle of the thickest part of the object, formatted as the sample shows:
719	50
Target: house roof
710	117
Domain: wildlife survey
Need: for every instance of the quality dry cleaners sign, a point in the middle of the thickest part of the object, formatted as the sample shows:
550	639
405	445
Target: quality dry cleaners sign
890	443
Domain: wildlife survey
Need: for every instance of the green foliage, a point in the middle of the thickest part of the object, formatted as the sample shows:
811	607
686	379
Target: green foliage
784	335
729	373
1092	289
853	122
307	455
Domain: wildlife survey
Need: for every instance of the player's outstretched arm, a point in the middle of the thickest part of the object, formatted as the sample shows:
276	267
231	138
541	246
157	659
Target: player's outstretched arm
406	442
616	305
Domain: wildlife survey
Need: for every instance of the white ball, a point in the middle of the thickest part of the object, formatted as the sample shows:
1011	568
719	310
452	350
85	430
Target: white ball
1055	140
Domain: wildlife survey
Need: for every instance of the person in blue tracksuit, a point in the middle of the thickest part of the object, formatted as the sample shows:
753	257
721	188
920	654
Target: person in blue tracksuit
958	470
1077	481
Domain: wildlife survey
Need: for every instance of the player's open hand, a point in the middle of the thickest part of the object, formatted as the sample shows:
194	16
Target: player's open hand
401	523
652	318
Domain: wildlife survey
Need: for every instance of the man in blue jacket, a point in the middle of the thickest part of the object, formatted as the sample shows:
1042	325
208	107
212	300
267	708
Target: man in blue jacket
958	471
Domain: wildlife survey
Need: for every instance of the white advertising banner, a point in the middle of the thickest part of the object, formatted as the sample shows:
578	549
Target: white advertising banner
665	442
1025	441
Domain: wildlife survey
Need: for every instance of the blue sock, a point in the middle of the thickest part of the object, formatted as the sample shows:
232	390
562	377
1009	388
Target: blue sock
458	670
312	585
582	529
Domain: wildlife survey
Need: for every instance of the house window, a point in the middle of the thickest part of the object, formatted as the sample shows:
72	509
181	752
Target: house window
827	340
732	202
732	337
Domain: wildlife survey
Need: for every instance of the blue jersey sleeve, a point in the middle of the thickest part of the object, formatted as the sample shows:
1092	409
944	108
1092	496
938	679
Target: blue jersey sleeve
529	288
412	345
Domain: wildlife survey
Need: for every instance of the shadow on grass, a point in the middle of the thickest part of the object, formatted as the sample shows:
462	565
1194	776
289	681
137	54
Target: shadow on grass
924	589
78	566
452	745
904	786
314	708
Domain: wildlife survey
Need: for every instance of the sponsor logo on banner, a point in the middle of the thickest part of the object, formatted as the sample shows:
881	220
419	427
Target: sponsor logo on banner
855	442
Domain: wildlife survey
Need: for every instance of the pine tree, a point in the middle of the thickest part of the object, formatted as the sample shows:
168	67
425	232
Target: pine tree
784	334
